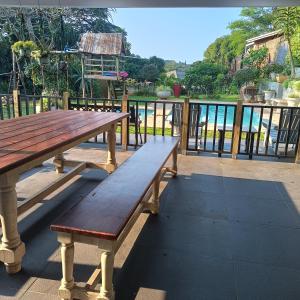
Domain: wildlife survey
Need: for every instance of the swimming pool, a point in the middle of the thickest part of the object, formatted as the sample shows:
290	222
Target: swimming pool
212	114
229	116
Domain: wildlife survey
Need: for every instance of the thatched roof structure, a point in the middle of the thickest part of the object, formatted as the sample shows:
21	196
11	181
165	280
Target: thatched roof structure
102	43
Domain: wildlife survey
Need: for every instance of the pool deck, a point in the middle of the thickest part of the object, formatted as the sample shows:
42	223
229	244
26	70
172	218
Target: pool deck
227	229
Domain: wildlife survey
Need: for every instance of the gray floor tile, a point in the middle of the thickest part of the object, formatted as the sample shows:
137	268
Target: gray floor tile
256	281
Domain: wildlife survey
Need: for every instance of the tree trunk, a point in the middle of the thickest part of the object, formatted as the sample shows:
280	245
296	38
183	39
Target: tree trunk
291	58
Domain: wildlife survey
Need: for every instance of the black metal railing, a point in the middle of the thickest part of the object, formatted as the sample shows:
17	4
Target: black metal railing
211	126
28	104
271	130
146	117
6	106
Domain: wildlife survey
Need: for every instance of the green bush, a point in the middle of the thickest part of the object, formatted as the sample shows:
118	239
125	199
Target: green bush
244	76
272	68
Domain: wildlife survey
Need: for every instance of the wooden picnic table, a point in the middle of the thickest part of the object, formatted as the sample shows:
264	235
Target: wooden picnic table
27	142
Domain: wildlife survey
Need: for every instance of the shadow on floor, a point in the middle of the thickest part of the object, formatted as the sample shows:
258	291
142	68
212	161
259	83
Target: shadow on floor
216	237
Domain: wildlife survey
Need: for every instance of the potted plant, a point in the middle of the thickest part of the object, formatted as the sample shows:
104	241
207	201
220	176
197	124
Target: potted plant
293	99
177	89
131	86
163	91
24	48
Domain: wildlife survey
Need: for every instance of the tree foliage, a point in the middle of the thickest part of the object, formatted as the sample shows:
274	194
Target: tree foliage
287	20
256	58
253	21
204	77
49	29
143	69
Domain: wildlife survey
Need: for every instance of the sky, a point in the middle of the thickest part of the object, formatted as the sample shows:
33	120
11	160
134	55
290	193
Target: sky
180	34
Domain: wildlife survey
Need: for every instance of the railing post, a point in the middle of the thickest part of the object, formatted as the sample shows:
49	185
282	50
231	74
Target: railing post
124	123
185	124
17	103
297	159
237	129
66	96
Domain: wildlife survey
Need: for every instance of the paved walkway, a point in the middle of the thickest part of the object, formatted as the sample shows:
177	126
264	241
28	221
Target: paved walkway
227	230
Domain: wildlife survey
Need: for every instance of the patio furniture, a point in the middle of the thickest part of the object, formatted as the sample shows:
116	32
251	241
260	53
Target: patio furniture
28	141
249	142
135	119
194	118
105	217
287	132
248	93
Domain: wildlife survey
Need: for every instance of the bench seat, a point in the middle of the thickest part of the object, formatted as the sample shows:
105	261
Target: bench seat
105	216
106	210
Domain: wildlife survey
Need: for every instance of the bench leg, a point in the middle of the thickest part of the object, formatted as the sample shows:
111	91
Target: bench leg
174	157
59	163
67	259
111	164
107	267
154	203
12	249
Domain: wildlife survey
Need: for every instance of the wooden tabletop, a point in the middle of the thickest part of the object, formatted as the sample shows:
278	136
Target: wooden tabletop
26	138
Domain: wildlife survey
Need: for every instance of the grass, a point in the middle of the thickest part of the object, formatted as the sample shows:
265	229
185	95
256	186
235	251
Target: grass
168	132
221	98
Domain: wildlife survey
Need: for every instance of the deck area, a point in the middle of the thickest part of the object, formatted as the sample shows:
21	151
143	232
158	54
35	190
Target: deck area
228	229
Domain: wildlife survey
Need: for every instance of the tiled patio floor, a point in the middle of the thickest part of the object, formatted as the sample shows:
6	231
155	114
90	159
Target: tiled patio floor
227	230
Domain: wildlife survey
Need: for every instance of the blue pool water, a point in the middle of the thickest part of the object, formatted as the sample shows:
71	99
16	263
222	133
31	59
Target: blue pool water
212	114
229	116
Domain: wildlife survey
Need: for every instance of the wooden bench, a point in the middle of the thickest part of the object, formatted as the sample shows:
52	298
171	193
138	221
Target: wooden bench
106	215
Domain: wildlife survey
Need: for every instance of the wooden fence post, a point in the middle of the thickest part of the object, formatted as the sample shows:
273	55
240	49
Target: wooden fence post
297	159
66	96
237	129
124	123
17	103
185	126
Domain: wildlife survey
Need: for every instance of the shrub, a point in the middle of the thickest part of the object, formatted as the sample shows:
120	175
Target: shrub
244	76
161	88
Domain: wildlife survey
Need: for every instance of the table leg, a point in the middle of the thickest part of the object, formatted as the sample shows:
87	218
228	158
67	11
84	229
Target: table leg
111	164
247	142
252	135
221	142
12	249
59	163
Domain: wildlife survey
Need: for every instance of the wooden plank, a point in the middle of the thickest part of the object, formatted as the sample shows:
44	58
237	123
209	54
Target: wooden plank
237	128
52	187
17	123
185	126
52	127
119	195
297	159
16	159
43	135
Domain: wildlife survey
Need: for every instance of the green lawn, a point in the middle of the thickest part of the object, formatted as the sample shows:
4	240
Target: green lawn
210	133
222	98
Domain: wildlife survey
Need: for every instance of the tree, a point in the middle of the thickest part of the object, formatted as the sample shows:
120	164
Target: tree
204	77
149	72
256	58
158	62
50	29
253	21
287	19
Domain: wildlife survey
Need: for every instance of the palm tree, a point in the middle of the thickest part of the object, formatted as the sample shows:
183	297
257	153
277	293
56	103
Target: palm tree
286	19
